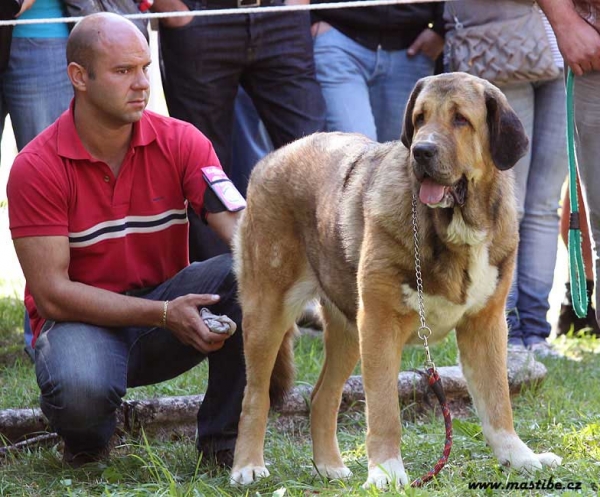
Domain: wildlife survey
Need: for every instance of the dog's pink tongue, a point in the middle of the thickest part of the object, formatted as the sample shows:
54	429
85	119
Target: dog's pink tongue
431	192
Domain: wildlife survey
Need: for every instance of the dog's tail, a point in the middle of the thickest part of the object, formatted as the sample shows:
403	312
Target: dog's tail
284	371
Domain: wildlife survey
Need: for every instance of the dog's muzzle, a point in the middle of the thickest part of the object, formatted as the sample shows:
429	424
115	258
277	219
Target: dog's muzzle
437	195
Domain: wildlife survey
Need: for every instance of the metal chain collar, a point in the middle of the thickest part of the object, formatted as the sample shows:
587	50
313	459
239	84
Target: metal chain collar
424	332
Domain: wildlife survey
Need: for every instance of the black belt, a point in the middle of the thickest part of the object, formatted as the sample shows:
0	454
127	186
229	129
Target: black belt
241	4
139	292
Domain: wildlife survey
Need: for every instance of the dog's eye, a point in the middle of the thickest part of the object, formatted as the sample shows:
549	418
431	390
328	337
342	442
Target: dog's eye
460	120
419	119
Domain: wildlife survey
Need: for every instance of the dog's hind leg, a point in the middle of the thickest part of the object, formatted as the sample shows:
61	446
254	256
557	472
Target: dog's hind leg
341	356
271	301
482	344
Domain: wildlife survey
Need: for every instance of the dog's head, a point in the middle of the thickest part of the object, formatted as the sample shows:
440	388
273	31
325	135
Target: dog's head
457	127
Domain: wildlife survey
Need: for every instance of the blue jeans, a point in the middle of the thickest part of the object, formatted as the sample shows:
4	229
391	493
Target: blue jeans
269	55
83	371
587	120
366	91
250	140
538	180
35	88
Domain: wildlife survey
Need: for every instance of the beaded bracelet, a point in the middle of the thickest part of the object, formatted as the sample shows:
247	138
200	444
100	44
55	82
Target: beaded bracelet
164	316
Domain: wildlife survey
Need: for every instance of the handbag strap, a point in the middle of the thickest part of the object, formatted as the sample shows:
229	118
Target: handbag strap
458	23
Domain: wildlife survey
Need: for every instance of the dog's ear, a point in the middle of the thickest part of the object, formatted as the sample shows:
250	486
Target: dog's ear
508	141
408	129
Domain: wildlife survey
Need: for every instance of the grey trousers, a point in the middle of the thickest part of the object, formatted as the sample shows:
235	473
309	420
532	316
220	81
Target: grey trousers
587	121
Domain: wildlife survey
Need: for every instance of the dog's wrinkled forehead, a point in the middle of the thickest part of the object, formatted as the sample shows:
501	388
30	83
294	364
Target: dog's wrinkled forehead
458	90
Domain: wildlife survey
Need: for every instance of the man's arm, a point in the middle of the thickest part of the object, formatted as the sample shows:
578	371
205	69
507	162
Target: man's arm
25	5
578	41
45	264
172	6
223	224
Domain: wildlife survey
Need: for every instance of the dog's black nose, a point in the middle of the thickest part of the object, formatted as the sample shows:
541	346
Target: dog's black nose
424	152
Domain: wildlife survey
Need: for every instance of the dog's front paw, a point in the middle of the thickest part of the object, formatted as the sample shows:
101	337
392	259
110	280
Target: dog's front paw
391	472
529	462
511	451
333	473
247	475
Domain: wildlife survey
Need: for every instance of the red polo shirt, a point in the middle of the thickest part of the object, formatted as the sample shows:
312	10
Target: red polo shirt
125	232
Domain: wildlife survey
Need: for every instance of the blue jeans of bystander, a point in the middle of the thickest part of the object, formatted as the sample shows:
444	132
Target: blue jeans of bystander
83	371
35	88
366	91
269	55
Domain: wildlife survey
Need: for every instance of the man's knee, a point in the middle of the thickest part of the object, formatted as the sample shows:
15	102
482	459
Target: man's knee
78	404
75	392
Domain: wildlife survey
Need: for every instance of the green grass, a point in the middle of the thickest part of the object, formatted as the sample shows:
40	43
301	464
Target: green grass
561	414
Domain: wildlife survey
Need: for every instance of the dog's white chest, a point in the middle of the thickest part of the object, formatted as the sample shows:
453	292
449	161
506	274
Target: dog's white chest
442	315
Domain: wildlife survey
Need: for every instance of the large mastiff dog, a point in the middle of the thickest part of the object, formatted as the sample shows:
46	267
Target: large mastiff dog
330	216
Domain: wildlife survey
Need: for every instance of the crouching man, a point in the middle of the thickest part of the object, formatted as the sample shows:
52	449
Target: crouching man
97	208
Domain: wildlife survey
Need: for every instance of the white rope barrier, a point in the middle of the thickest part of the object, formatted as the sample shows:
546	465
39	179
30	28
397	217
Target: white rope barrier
221	12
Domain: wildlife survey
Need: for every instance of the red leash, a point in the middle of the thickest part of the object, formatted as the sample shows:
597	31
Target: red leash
436	385
433	377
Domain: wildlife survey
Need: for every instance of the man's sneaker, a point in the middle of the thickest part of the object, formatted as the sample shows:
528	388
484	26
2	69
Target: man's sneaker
516	346
543	350
76	460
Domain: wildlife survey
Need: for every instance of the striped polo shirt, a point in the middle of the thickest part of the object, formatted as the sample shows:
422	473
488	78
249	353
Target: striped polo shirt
124	232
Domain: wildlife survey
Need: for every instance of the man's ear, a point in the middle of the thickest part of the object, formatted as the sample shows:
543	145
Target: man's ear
507	138
408	129
78	76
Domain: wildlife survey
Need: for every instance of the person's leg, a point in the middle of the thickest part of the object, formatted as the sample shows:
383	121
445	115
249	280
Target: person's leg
250	140
37	89
343	71
587	117
392	82
280	76
35	92
83	370
539	228
82	373
201	64
521	98
3	108
567	318
156	355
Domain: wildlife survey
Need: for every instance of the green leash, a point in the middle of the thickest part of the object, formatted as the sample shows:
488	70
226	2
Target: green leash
576	267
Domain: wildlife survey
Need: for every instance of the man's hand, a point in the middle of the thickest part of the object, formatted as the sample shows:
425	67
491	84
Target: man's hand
184	321
25	6
578	41
579	45
428	42
172	6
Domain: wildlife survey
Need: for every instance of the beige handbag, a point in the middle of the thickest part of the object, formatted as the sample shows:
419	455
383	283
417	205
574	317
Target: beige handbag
509	51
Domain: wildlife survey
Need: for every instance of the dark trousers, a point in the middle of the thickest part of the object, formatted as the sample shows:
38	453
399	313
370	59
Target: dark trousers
83	371
269	55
